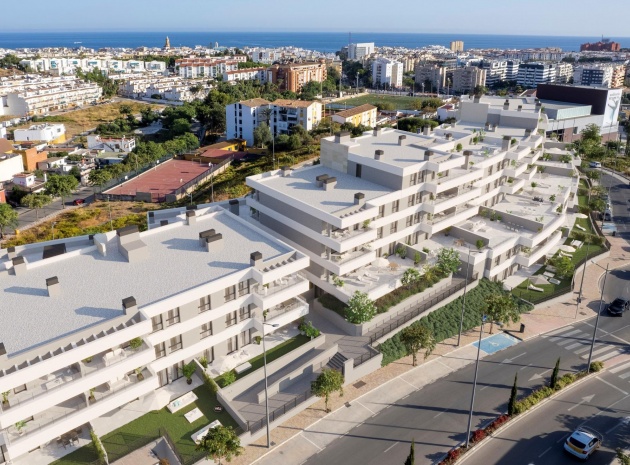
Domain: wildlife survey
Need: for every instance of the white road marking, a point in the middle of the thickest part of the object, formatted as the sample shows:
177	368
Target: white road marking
573	346
624	376
369	410
526	366
584	400
557	338
389	448
612	385
558	331
546	450
539	375
312	442
609	355
409	383
443	411
598	351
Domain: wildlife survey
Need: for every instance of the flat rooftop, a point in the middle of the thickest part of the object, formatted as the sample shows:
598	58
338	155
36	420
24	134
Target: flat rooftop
302	187
93	286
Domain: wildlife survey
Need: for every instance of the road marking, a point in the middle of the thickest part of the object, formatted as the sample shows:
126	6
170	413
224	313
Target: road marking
539	375
609	355
624	376
598	351
612	385
623	421
566	341
558	331
369	410
584	400
312	443
620	339
585	348
557	338
526	366
389	448
445	410
546	450
573	346
510	360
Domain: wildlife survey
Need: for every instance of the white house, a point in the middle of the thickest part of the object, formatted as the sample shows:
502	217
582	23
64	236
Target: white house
10	165
96	142
49	133
24	179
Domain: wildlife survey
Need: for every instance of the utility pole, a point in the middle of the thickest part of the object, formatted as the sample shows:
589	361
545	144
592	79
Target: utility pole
601	304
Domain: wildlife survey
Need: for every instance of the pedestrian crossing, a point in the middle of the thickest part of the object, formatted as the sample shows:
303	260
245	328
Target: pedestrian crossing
578	341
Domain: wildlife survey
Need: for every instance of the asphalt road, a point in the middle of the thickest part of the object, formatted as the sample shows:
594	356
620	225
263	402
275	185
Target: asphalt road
620	202
601	403
436	416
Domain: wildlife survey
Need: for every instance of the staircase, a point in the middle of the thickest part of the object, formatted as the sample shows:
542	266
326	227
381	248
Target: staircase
337	361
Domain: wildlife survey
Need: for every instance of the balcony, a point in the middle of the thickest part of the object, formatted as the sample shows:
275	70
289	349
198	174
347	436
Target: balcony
283	313
279	290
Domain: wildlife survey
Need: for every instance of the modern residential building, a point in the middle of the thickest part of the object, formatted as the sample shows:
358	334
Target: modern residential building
54	133
604	45
564	72
41	99
387	72
243	117
599	75
532	74
466	79
194	285
427	76
96	142
387	189
290	113
457	46
363	115
360	51
496	71
292	76
209	68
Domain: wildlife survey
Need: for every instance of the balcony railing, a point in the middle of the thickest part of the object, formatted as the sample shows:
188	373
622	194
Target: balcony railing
279	285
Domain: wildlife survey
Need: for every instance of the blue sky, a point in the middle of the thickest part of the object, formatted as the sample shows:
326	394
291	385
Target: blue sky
531	17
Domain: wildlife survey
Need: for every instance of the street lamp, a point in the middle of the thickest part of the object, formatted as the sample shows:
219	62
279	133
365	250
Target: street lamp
461	321
111	223
265	374
472	397
601	304
53	230
579	299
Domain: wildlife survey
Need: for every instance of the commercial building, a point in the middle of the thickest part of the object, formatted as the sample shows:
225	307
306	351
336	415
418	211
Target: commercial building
292	76
466	79
457	46
194	285
387	72
388	189
49	133
363	115
599	75
360	51
532	74
604	45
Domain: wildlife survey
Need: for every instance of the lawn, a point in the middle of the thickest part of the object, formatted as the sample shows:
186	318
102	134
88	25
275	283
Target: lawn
401	102
272	354
118	442
78	121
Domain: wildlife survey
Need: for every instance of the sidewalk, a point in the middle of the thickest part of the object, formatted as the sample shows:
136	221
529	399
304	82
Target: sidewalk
310	431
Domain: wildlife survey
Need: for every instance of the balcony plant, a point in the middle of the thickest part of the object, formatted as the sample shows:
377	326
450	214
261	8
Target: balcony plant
228	377
308	330
188	371
552	198
479	244
417	258
257	340
203	361
91	398
5	397
139	374
366	223
135	343
88	359
338	282
401	251
265	313
20	425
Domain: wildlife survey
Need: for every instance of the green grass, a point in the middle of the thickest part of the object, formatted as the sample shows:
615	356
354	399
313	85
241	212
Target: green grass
400	102
272	354
116	443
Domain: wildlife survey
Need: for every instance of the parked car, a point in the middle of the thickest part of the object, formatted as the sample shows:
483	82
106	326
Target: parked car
595	164
583	442
618	306
608	216
78	202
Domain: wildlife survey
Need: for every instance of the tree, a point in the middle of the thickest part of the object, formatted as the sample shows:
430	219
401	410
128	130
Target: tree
61	186
35	202
416	337
478	91
262	135
501	308
554	375
360	308
564	267
125	109
180	127
99	177
411	458
8	218
513	395
221	442
328	382
448	260
410	276
623	458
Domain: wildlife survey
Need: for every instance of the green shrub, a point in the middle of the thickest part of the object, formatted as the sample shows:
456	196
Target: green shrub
228	378
597	366
212	386
98	446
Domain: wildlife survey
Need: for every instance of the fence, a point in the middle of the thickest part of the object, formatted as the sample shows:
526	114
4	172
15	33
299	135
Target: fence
128	176
421	308
199	178
277	413
372	352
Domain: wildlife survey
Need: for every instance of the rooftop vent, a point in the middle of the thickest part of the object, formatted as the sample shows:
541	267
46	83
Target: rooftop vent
190	207
319	180
448	136
286	171
506	104
330	183
359	198
52	284
427	154
234	206
378	154
11	253
376	132
426	130
191	217
255	259
19	266
130	245
203	235
129	305
505	143
520	108
214	243
401	139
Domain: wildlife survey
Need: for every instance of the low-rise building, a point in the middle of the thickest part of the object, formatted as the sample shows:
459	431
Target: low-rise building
24	179
49	133
10	165
42	99
363	115
96	142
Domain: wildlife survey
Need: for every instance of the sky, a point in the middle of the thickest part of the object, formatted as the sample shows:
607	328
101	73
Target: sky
515	17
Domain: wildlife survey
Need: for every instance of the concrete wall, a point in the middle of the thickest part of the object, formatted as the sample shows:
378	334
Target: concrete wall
352	373
289	211
334	155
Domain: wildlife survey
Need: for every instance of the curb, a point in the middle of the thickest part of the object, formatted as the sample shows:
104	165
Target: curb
480	444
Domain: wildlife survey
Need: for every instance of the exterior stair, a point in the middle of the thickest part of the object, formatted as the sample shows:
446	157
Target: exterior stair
337	361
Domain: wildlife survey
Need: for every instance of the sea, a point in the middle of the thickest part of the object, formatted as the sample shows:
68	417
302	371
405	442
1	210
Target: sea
319	41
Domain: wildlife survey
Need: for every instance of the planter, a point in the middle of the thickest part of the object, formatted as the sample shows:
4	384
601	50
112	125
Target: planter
140	376
92	399
189	381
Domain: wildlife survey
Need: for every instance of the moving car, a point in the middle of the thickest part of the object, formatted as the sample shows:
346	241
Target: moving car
583	442
618	306
595	164
78	202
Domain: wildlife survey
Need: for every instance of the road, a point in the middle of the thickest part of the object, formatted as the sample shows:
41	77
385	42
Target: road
620	201
436	416
601	403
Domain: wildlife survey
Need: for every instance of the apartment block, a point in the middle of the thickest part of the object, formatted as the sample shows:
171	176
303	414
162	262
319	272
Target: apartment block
363	115
466	79
532	74
40	99
292	76
433	75
457	46
387	72
243	117
360	51
599	75
115	316
564	72
206	67
387	189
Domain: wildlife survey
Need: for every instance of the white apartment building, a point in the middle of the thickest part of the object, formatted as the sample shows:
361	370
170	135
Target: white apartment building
245	116
466	79
360	51
532	74
206	67
44	98
388	189
69	65
433	74
195	284
96	142
49	133
598	75
387	72
10	165
500	70
249	74
564	72
264	55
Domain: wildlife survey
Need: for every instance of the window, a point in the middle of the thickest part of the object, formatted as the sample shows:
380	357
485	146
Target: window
379	233
204	304
157	323
381	211
173	317
232	344
413	179
243	288
418	197
410	200
244	313
409	220
175	343
160	350
416	218
395	206
245	338
357	172
393	227
230	293
206	330
497	260
230	319
176	371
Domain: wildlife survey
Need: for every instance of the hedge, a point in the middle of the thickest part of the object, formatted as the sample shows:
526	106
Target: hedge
444	322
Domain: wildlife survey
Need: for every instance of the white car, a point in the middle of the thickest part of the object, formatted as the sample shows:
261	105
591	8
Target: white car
595	164
583	442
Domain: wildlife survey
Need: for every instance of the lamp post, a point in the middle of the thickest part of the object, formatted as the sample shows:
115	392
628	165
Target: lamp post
461	321
53	230
111	223
579	299
265	374
601	304
472	397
